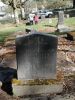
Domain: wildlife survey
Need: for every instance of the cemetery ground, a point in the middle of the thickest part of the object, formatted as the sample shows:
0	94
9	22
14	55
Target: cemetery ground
65	54
43	25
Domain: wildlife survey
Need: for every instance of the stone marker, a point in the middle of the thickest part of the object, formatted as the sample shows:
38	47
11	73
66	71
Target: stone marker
36	61
36	56
61	18
60	26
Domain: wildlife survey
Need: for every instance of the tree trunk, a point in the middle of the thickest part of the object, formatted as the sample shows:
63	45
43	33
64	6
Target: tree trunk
15	12
22	10
22	13
16	16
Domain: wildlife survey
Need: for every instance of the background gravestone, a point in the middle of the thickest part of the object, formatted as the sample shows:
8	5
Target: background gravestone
60	26
60	18
36	56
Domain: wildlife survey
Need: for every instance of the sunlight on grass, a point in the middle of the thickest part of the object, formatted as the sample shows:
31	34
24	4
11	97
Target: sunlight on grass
70	21
42	25
6	32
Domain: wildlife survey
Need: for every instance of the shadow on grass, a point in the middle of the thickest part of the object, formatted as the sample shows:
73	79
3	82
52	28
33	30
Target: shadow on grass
48	25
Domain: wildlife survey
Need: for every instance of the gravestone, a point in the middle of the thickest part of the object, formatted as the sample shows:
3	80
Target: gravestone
60	26
36	56
60	18
36	63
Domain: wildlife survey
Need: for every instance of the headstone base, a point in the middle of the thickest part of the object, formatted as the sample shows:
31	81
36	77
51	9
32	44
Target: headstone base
22	90
63	28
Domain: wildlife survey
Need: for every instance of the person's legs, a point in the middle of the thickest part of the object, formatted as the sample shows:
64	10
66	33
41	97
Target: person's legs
31	22
36	22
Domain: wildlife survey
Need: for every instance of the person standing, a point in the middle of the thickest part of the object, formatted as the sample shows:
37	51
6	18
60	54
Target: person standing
31	18
36	19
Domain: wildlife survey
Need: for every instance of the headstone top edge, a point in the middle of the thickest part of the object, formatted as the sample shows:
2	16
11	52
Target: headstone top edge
37	33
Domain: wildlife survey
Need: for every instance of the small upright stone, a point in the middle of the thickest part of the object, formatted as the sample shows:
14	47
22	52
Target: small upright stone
60	26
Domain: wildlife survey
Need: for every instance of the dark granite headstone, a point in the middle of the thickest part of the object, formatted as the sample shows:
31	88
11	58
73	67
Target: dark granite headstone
36	56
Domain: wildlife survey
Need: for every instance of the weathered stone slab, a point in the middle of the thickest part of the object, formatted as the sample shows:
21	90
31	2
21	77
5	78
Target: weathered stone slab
61	18
36	56
22	90
61	27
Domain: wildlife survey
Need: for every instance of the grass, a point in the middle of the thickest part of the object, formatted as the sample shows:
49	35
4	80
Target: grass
70	22
43	24
10	30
